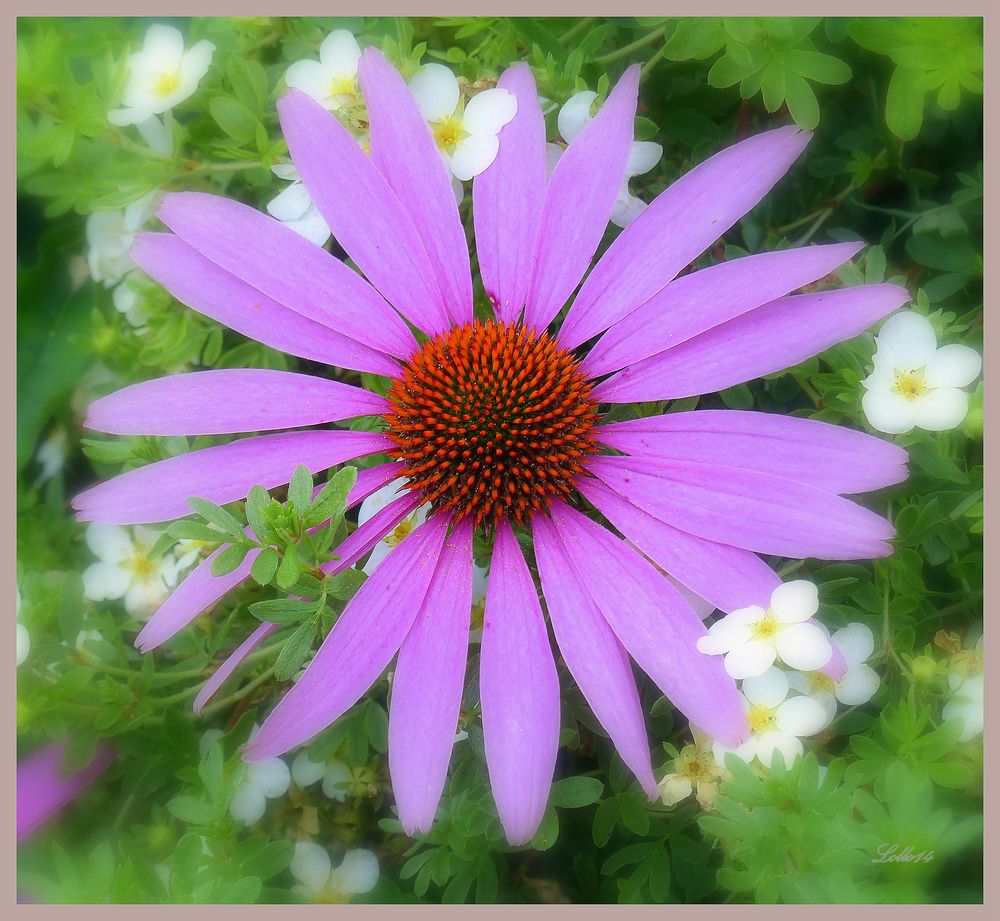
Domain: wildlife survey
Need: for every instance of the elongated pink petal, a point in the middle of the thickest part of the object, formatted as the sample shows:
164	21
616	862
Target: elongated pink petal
159	491
200	590
748	509
702	300
203	286
519	690
404	149
366	536
593	654
727	577
507	199
229	402
362	210
278	262
233	661
830	456
427	686
44	789
578	203
680	223
778	335
358	648
654	623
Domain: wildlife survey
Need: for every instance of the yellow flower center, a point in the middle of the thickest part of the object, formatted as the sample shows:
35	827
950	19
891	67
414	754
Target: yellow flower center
166	84
447	133
342	86
766	628
910	384
818	682
142	567
400	532
761	718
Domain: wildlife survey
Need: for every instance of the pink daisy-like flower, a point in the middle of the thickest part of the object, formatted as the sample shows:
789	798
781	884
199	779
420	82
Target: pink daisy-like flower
499	425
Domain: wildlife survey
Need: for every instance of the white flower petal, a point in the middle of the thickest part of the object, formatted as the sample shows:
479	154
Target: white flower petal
248	804
800	716
575	114
156	134
473	155
674	788
855	642
941	409
627	208
643	156
857	686
311	226
771	742
750	659
271	777
379	552
723	636
883	376
144	596
290	204
767	689
795	601
23	643
311	78
747	751
335	781
357	873
311	866
487	112
110	543
436	90
194	66
480	581
552	154
953	366
340	54
105	581
306	772
163	46
908	339
286	171
804	646
379	499
891	413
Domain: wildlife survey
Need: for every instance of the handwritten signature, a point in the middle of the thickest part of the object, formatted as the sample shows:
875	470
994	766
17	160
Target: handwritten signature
896	853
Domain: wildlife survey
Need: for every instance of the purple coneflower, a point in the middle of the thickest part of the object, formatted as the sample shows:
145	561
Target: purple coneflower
498	424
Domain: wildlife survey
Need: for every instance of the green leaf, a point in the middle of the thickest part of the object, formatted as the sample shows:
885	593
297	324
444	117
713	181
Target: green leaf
257	501
230	558
234	118
294	651
574	792
904	104
193	811
300	490
801	102
288	569
548	831
218	516
332	498
185	529
344	586
283	610
813	65
605	819
265	566
772	86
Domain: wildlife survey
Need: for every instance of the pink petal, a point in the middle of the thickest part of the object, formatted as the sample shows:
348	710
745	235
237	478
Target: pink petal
404	150
703	300
748	509
427	686
519	690
222	673
203	286
778	335
278	262
507	199
727	577
228	402
596	659
654	623
830	456
680	223
358	648
44	789
362	211
159	491
580	198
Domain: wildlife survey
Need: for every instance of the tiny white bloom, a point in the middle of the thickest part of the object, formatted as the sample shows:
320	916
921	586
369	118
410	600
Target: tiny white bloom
51	455
336	777
966	704
467	138
357	873
914	383
161	75
573	117
859	682
753	638
110	235
777	722
127	302
264	780
332	80
295	209
305	771
377	501
124	569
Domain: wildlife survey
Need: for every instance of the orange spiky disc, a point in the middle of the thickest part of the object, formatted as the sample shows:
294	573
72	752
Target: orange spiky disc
492	420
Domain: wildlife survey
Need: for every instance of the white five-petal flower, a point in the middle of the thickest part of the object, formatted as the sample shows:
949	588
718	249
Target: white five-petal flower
319	882
573	117
264	780
161	75
777	722
467	138
859	682
377	501
295	209
752	638
110	235
124	569
966	704
332	80
335	775
914	383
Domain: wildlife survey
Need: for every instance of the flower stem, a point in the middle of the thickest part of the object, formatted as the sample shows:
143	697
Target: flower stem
626	50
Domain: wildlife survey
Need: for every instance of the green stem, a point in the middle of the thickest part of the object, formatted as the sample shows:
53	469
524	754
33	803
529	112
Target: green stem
632	46
238	695
575	29
650	65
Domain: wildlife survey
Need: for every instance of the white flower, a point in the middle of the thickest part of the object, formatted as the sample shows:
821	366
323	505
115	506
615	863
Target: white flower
110	235
377	501
23	638
695	771
753	638
125	569
332	80
295	209
189	551
856	686
915	383
966	704
335	775
128	303
356	874
52	454
263	780
574	116
161	75
777	721
466	138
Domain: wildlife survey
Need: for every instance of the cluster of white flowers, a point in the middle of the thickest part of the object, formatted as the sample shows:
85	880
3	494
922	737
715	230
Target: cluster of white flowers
263	780
785	705
124	569
335	775
914	383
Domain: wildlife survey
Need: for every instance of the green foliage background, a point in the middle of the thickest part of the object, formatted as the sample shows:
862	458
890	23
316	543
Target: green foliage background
897	160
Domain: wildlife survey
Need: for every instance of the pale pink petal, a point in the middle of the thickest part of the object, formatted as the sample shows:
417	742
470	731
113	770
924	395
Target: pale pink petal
358	648
427	686
222	673
596	659
519	690
578	203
